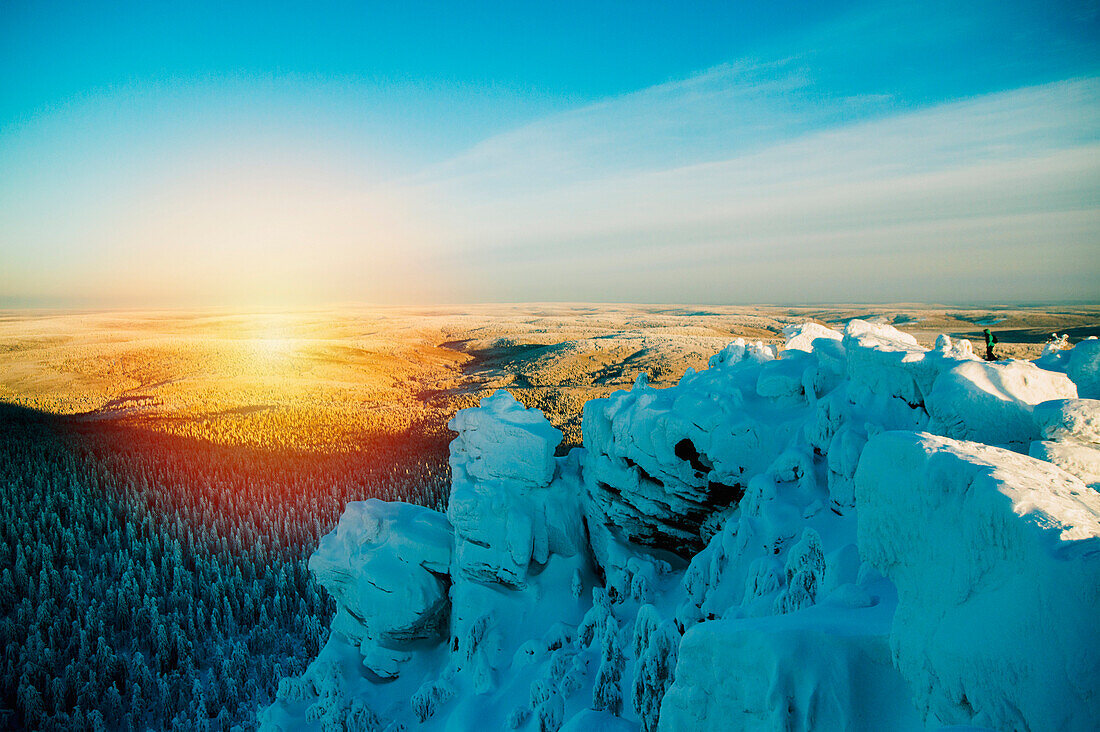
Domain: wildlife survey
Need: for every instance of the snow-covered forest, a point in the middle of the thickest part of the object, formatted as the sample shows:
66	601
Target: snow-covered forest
155	582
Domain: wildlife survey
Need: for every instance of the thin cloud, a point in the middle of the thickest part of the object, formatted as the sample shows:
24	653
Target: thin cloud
1033	151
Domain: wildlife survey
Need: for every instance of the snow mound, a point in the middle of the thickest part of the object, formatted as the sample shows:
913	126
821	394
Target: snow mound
996	558
1070	429
1082	460
801	337
823	669
386	564
1069	419
994	402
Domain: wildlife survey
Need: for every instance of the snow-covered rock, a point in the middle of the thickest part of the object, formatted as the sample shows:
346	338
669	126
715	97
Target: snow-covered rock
1076	458
782	377
802	337
994	402
884	362
996	558
1070	431
960	350
506	507
843	458
1083	367
827	668
658	463
387	565
1069	419
503	441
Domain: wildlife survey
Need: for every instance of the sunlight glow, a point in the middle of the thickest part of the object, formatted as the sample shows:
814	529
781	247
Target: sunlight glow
274	348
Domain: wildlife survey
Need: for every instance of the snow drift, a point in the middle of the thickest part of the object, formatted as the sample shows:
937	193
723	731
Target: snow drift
778	542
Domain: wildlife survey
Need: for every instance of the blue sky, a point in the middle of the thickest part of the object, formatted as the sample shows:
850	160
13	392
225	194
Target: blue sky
281	154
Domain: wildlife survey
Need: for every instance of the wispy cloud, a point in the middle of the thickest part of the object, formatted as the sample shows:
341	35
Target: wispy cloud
968	191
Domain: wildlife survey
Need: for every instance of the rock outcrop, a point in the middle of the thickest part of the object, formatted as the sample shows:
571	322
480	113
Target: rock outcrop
778	542
387	565
996	559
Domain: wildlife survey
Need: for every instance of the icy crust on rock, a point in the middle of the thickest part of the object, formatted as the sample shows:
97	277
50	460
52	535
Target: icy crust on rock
996	558
708	559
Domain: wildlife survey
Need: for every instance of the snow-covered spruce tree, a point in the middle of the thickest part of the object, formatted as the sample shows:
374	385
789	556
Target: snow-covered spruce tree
475	654
596	620
573	679
517	717
804	570
550	713
645	622
764	577
607	693
361	718
429	697
654	673
576	586
561	661
541	689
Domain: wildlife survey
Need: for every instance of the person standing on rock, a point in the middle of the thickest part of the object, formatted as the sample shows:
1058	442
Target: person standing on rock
990	341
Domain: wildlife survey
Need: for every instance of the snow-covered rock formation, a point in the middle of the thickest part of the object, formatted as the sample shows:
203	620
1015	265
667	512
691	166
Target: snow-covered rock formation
853	532
994	402
387	565
996	558
1069	432
1083	366
659	463
506	507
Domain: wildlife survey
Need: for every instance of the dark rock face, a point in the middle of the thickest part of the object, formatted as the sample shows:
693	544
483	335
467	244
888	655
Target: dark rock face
657	495
661	464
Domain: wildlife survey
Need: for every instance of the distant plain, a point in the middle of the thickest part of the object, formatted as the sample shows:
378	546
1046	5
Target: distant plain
329	379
